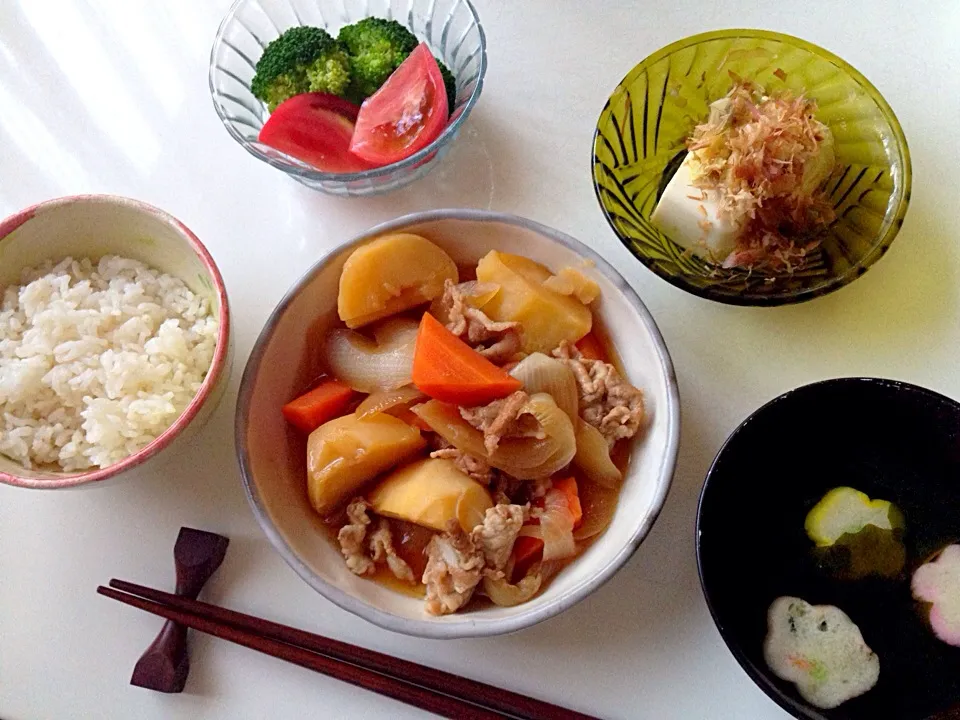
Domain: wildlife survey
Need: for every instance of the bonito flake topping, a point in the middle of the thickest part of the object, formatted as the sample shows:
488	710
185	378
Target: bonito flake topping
766	156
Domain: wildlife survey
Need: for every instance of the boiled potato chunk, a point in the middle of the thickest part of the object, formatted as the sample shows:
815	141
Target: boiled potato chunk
570	281
344	454
431	492
547	317
389	275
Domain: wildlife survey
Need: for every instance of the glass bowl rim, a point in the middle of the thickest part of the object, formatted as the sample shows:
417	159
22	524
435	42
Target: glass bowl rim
881	242
449	132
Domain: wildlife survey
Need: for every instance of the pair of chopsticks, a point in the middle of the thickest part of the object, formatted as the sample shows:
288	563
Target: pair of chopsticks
432	690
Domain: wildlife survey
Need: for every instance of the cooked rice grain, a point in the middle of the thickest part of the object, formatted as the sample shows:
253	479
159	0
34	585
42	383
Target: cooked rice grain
97	359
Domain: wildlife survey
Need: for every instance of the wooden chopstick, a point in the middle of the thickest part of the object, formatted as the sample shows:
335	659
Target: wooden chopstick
471	695
444	705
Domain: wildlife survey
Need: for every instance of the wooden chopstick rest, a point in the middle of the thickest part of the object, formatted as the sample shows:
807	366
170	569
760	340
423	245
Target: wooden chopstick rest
164	665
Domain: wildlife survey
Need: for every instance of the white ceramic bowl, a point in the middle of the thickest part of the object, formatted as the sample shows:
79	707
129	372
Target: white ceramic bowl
273	459
94	226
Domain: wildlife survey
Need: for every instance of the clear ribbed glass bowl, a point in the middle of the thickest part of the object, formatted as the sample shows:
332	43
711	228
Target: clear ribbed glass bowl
450	27
642	133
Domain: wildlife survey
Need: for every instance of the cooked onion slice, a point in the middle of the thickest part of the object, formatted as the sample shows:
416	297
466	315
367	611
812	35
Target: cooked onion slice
556	526
383	401
384	363
526	458
593	457
540	373
502	593
599	504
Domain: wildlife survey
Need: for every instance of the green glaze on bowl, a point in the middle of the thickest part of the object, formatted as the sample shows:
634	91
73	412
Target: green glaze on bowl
645	124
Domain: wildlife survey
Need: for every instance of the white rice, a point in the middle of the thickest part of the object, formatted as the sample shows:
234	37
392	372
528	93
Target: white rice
97	359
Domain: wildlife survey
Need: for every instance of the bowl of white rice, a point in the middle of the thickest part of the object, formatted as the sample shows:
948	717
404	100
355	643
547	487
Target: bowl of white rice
114	339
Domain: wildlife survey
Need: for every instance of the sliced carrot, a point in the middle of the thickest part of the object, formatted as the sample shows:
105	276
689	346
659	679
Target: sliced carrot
325	402
526	551
591	347
568	486
449	370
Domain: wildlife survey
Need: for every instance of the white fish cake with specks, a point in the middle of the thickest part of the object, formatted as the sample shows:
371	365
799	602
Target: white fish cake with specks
820	650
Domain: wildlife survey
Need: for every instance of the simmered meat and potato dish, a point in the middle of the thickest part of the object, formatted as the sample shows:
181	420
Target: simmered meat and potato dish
471	431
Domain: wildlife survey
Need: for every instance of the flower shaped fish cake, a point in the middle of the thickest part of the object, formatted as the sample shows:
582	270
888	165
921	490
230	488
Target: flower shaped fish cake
857	537
846	511
938	583
820	650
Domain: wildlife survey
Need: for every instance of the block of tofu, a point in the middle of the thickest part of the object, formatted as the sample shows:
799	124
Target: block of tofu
819	168
688	215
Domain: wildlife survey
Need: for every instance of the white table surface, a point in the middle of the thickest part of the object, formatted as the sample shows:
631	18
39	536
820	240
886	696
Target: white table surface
111	96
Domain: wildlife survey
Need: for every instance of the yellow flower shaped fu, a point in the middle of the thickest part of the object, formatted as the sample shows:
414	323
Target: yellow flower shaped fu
846	511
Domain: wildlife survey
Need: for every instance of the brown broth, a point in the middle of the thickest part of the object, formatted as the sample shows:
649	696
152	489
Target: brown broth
411	543
409	540
389	580
466	272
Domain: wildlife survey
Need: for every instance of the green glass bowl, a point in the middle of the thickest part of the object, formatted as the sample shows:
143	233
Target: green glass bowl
642	130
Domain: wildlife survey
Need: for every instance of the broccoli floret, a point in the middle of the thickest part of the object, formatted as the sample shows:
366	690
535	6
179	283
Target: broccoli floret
450	83
376	47
303	59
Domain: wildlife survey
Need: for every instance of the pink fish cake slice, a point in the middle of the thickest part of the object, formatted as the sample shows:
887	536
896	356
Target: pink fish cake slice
938	583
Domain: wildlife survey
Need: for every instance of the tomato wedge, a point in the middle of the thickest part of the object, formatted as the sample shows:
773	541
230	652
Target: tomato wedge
406	114
315	128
